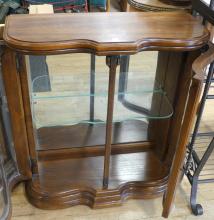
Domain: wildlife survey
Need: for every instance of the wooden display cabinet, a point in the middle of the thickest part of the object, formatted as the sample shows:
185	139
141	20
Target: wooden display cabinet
100	138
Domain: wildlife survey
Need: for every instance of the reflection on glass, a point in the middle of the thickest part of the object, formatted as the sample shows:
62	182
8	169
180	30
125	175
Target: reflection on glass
62	101
207	2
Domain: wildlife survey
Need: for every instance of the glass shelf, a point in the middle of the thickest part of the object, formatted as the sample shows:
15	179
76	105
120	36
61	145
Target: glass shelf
56	108
70	86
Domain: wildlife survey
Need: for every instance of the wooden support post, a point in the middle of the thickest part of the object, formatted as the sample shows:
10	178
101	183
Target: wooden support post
191	109
112	62
23	72
15	105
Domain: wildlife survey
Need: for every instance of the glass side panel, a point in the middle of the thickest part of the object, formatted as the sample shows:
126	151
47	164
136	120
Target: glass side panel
60	98
69	97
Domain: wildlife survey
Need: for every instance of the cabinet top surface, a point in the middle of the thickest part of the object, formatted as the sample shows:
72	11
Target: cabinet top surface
104	33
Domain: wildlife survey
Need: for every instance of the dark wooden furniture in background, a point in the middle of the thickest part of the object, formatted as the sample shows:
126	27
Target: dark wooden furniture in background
153	6
98	163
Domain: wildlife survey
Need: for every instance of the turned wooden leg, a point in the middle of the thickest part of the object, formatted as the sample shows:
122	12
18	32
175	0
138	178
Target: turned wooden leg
112	62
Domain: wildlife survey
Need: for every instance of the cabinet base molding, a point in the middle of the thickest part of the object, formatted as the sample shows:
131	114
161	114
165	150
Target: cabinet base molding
57	186
95	199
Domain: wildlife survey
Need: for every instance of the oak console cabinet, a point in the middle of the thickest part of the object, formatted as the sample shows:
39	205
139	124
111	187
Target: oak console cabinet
99	138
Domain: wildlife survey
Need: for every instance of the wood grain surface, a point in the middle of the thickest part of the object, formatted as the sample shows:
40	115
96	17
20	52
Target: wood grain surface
80	181
61	183
104	33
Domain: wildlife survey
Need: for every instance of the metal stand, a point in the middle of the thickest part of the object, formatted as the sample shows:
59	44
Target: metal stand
193	165
5	192
122	89
92	86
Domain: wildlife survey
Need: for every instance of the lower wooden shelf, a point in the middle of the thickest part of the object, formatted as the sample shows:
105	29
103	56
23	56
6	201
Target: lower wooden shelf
83	140
67	182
